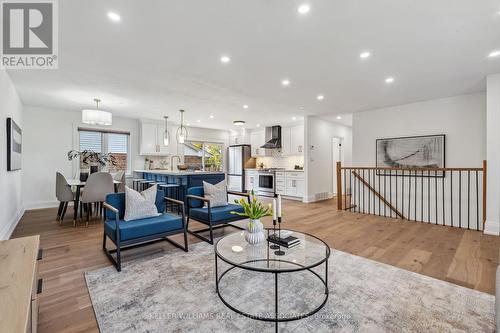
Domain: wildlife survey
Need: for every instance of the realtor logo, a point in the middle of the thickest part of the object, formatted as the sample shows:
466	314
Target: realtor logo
29	34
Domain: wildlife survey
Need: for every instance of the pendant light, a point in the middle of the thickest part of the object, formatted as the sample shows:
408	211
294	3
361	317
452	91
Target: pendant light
96	116
166	133
182	131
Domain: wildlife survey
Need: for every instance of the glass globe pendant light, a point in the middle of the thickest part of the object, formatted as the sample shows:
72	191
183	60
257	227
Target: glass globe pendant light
166	134
182	131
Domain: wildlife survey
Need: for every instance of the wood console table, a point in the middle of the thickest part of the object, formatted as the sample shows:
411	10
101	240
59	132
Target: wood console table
19	284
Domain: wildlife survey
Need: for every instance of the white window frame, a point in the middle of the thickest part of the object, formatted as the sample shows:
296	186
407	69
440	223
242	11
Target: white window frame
203	143
104	146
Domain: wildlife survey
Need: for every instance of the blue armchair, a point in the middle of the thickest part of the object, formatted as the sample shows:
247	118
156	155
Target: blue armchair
127	234
214	217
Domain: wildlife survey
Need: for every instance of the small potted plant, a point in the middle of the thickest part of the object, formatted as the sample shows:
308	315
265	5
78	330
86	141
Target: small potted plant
90	157
254	210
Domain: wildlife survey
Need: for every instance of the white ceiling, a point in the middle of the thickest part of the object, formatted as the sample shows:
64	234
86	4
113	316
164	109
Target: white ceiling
164	56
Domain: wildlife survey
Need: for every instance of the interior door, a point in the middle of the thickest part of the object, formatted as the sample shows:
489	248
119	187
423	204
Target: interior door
336	157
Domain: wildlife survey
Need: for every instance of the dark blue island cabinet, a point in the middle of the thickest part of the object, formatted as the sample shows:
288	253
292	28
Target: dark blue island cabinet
185	180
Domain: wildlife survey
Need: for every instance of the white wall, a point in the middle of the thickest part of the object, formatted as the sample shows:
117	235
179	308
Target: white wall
461	118
48	136
11	208
50	133
493	153
318	159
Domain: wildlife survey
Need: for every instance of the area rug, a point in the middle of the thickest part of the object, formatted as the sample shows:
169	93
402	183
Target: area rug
175	292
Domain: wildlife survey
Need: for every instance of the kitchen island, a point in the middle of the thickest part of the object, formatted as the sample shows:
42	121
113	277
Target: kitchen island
185	179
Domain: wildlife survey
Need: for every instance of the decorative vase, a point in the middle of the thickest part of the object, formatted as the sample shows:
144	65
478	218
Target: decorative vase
254	233
94	168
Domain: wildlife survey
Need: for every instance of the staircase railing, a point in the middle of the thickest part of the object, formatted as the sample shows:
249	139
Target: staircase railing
453	197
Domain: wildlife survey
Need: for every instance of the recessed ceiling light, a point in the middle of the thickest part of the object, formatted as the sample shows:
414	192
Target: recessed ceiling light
294	118
258	125
114	17
339	117
198	121
365	55
494	54
320	97
225	59
285	82
304	9
389	80
188	124
245	106
211	116
239	122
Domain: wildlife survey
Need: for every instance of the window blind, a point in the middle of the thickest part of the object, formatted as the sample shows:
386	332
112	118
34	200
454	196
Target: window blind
117	143
91	141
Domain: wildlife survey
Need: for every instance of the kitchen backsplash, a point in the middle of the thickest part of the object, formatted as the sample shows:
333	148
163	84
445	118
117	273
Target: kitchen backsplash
158	162
277	161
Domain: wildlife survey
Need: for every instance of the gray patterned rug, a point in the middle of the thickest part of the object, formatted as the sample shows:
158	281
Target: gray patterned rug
175	292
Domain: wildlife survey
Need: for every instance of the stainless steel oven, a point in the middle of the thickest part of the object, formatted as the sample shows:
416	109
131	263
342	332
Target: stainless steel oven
266	183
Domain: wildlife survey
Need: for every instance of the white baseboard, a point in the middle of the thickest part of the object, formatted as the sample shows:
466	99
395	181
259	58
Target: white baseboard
313	198
492	228
9	228
42	204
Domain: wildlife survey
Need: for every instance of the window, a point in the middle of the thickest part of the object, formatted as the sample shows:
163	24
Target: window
204	156
115	143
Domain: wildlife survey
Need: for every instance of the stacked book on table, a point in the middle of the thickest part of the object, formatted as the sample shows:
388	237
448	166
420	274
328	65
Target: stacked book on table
284	238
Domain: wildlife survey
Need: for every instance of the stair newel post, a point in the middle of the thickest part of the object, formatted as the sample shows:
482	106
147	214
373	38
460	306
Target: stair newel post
339	186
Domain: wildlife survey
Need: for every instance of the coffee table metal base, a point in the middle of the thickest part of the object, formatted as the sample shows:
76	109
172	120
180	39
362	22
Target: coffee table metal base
276	319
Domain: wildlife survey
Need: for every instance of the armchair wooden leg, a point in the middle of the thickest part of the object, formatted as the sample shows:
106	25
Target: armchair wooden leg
59	211
104	241
65	207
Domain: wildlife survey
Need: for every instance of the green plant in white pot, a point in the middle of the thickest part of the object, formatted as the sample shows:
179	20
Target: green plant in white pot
254	210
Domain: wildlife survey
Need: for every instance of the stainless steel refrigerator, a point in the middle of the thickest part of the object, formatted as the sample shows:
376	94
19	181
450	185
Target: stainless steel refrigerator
239	158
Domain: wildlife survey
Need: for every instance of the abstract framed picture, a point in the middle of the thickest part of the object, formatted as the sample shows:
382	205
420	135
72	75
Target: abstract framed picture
426	151
14	145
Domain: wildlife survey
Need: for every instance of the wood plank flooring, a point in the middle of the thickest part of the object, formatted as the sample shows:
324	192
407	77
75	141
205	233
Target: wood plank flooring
467	258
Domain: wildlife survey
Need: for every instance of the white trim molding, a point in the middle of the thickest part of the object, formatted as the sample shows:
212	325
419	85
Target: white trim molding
491	228
9	228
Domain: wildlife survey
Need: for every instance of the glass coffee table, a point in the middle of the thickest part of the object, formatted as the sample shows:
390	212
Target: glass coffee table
305	258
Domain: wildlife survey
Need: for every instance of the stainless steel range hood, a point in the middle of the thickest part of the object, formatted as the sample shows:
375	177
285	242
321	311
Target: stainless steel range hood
273	138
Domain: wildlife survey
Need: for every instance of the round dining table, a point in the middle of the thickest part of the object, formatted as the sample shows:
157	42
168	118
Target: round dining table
79	184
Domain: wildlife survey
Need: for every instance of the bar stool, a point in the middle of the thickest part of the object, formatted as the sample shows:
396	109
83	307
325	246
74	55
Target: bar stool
135	183
172	191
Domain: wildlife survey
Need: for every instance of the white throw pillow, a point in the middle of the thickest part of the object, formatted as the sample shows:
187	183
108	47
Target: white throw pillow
217	194
140	205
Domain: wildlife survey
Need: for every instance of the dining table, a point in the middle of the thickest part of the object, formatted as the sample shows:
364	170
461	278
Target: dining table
78	184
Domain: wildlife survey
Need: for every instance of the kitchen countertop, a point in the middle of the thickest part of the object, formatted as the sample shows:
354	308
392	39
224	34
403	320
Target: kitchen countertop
283	170
181	173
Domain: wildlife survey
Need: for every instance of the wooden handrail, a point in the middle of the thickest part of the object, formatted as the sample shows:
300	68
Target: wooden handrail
378	195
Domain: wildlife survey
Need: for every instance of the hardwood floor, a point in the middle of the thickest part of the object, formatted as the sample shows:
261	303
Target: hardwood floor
467	258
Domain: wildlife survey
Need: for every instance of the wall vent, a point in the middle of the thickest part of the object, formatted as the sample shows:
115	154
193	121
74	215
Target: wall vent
322	196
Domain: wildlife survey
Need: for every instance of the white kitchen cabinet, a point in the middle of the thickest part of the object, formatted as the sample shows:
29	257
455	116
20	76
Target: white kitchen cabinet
151	139
293	185
292	140
280	183
257	139
239	139
285	141
297	140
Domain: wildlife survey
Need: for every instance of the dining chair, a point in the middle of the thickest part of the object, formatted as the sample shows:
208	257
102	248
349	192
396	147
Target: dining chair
120	176
98	185
64	195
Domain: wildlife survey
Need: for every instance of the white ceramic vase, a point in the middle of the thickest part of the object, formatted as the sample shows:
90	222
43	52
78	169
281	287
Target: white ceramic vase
255	232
